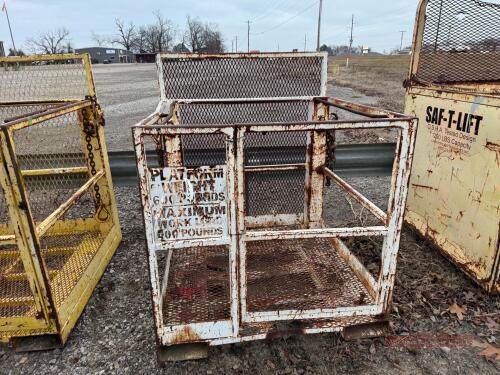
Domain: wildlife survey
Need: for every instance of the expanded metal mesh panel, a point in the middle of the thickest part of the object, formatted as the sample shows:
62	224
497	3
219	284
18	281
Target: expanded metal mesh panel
275	148
58	145
55	143
42	81
198	287
16	298
241	77
300	275
461	42
203	149
69	247
47	193
14	111
242	113
274	193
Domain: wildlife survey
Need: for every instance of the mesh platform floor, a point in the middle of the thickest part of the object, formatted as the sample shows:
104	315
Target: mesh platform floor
66	256
198	286
300	275
281	275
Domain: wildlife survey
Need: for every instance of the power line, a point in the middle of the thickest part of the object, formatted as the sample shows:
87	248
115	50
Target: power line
287	20
270	10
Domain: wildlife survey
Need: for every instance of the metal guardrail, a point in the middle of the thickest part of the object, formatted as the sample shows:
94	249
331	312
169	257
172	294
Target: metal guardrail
356	160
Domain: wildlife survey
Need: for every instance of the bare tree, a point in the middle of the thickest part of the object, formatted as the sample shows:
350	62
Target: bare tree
212	39
125	36
203	37
164	31
50	42
140	41
99	39
194	34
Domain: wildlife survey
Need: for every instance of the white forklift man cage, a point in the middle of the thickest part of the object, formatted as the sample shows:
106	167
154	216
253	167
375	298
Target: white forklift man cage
235	135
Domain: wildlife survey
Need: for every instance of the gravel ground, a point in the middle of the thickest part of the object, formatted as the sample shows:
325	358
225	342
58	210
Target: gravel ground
116	335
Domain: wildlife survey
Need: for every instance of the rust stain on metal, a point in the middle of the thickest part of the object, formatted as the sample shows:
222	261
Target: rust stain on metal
184	335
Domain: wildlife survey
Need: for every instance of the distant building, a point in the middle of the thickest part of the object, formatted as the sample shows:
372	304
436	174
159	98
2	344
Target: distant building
105	55
145	57
2	51
365	50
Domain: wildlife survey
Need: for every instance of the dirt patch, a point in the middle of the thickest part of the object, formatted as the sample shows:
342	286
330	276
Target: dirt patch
380	77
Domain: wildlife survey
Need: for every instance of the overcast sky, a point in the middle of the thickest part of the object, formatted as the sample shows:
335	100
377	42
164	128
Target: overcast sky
282	23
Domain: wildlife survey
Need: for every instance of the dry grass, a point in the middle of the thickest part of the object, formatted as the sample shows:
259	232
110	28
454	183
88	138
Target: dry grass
379	76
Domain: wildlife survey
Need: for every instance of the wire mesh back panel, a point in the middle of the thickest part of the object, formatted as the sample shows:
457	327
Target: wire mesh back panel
234	76
36	150
42	81
460	42
210	149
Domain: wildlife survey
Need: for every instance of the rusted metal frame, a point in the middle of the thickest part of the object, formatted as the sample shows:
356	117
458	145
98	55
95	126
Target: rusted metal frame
311	116
225	328
360	198
402	170
241	275
183	244
280	167
316	179
418	33
360	109
45	225
392	190
195	332
154	277
266	221
340	312
265	336
34	113
212	56
171	156
24	230
178	103
50	114
55	171
357	267
159	67
236	211
390	123
316	233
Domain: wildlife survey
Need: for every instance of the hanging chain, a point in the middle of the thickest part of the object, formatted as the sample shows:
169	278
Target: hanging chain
90	131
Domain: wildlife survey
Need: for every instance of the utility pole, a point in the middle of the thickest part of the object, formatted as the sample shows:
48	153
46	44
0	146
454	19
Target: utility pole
4	8
350	43
319	24
305	42
232	45
236	44
402	34
248	37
